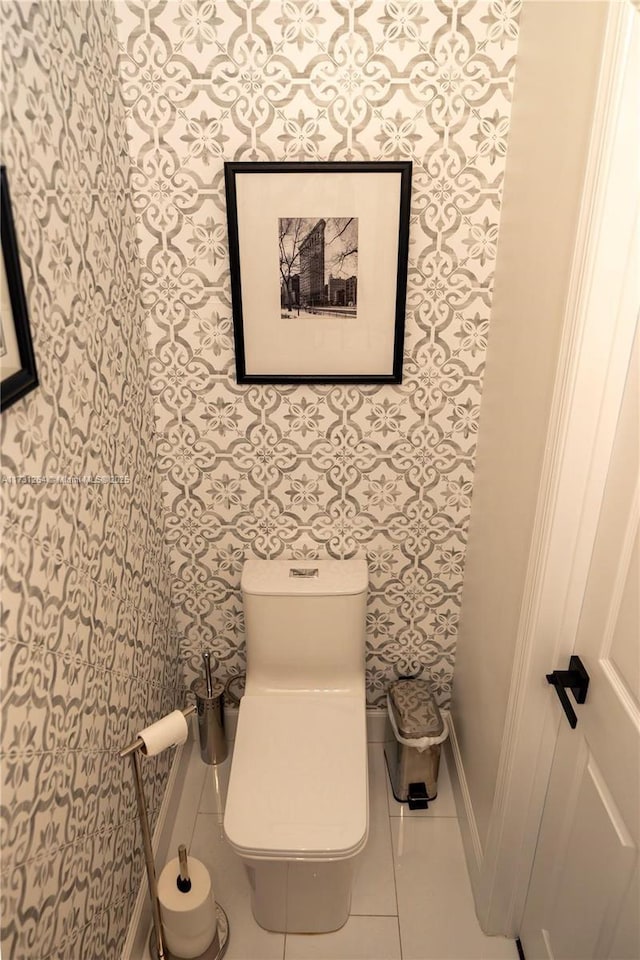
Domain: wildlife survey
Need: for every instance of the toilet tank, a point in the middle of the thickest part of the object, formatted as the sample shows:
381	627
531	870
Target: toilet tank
305	625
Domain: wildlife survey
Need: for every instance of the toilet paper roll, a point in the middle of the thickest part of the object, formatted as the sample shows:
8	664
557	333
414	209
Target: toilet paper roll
167	732
188	919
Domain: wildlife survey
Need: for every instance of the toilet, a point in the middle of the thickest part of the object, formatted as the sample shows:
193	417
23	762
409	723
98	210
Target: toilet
297	810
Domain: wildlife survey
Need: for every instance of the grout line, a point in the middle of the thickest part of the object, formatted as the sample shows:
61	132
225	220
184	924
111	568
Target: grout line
374	916
432	816
386	779
393	856
193	830
200	799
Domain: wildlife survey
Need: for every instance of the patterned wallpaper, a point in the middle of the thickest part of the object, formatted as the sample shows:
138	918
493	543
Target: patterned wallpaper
85	649
309	471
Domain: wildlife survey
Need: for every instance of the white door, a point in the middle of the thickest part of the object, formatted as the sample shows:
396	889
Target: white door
584	895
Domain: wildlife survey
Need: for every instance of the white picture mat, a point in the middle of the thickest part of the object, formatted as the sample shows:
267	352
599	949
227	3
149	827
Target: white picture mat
323	345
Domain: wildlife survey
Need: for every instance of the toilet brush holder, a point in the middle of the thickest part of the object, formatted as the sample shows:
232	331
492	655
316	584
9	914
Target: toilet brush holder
213	740
209	705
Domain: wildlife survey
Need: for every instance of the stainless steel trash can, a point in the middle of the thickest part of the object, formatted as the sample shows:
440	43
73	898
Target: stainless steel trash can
415	731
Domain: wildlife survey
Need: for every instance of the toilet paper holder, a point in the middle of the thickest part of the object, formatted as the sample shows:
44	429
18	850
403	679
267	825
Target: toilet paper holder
157	946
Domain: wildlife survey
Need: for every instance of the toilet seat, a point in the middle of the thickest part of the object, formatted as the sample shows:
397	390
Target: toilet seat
298	786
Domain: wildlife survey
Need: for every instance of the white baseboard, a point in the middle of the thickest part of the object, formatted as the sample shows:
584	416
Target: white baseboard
466	818
230	722
376	725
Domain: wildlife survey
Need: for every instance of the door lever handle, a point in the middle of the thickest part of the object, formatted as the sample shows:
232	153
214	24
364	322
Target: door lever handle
576	679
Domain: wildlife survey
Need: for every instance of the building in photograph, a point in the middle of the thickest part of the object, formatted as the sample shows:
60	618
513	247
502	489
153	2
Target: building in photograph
337	291
342	291
291	297
312	285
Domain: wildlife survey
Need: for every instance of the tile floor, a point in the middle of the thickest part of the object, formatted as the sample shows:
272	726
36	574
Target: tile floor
411	899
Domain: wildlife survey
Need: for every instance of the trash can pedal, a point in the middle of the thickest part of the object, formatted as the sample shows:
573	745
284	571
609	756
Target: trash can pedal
417	796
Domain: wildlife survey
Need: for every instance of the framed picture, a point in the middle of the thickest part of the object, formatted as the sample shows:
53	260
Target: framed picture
17	361
318	255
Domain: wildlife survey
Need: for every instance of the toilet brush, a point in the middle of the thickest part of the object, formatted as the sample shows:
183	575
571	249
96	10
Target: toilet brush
206	656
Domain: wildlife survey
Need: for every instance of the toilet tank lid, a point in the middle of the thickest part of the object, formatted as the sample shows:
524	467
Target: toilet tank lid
304	578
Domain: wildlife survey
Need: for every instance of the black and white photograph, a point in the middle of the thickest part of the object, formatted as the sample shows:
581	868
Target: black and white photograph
318	253
318	266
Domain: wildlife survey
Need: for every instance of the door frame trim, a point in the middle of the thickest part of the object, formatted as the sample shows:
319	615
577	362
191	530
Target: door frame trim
589	382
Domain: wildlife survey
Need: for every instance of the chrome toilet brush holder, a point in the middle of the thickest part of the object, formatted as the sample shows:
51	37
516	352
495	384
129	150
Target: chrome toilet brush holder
157	946
210	707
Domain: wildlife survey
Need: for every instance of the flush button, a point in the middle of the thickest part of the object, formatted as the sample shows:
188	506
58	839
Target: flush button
305	572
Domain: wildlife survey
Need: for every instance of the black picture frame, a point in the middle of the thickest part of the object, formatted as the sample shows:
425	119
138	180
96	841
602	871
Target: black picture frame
364	343
18	362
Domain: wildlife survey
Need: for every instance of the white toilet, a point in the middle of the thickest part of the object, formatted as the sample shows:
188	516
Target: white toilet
297	809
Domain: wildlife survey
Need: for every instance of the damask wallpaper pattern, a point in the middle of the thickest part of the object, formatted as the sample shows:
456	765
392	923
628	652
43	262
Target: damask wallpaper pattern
86	651
308	471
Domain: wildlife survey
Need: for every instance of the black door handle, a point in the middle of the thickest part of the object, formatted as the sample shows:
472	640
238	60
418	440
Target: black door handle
577	679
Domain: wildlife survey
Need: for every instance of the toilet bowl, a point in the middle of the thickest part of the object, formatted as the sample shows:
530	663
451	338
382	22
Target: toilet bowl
297	804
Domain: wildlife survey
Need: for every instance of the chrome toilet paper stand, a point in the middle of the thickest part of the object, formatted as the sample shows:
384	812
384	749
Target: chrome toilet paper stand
157	946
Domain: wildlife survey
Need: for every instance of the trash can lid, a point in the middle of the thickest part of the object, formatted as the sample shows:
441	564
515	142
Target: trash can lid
415	711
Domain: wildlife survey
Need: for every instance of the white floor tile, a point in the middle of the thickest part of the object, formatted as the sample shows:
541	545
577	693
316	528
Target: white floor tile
435	903
247	941
361	938
374	889
431	918
443	806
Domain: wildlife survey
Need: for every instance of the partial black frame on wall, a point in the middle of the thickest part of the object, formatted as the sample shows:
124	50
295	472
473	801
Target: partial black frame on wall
20	382
392	372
